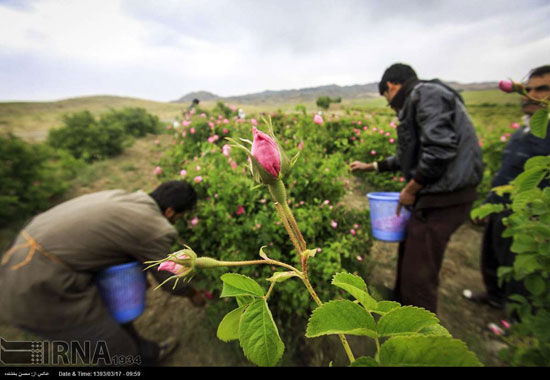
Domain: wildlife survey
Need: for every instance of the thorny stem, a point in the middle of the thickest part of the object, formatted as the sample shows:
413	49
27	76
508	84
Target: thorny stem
269	290
299	243
256	262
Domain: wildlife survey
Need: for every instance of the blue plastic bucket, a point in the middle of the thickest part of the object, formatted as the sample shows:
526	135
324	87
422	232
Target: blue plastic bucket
122	288
386	225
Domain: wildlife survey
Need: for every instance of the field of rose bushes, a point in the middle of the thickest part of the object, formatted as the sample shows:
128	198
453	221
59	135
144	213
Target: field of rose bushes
235	217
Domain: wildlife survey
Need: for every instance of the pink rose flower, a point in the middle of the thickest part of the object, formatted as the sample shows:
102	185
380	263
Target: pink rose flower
183	173
334	224
352	232
192	131
392	140
514	126
318	119
198	179
157	171
506	86
373	153
254	122
240	211
266	152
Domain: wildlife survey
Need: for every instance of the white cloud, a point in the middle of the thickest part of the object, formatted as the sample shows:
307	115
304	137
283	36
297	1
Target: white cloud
51	49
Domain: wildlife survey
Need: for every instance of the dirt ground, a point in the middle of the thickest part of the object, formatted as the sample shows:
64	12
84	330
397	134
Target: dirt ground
166	315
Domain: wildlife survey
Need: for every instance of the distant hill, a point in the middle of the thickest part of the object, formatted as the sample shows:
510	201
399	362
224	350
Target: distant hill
312	93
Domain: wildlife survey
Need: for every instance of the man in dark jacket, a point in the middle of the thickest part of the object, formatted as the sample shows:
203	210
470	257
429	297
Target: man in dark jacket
495	250
438	152
47	277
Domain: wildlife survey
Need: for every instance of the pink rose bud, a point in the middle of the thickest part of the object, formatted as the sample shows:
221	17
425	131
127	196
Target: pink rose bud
373	153
157	171
195	221
266	152
334	224
318	119
506	86
359	258
514	126
495	329
198	179
183	173
240	210
392	140
352	232
192	131
171	266
506	324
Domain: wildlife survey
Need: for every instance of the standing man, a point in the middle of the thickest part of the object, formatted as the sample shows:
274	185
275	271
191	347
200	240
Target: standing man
439	155
47	277
495	250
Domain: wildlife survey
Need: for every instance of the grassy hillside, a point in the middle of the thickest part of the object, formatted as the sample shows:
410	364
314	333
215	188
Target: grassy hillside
32	120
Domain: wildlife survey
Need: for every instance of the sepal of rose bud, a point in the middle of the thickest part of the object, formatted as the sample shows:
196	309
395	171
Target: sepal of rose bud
180	263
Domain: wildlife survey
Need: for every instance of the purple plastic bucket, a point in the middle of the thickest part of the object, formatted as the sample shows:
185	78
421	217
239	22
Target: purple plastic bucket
386	225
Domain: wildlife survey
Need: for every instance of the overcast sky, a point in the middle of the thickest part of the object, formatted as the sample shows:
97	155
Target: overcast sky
161	50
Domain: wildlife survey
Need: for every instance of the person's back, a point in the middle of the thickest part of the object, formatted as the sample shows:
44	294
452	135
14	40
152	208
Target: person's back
74	241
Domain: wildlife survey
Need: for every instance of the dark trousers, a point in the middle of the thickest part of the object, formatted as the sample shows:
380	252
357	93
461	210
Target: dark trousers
495	253
421	254
120	340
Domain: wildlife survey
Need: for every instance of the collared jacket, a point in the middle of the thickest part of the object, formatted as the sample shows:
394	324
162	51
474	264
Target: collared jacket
437	144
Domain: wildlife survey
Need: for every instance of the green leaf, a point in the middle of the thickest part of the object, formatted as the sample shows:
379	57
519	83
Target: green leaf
340	317
535	284
355	286
524	244
259	336
521	200
486	209
529	179
365	361
537	162
538	123
238	285
229	326
526	263
405	320
244	300
386	306
421	350
436	330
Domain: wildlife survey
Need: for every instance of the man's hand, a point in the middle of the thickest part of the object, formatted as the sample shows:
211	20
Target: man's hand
408	195
361	166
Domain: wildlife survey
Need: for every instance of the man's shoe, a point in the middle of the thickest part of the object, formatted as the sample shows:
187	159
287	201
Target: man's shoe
482	299
166	348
